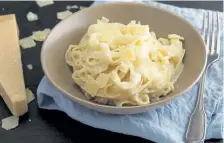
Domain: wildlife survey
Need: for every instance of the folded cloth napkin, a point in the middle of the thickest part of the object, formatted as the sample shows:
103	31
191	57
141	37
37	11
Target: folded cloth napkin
165	124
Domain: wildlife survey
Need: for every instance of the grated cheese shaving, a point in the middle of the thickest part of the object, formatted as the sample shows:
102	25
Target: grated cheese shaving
10	122
41	35
104	19
64	14
42	3
175	36
30	67
27	42
30	95
68	7
31	16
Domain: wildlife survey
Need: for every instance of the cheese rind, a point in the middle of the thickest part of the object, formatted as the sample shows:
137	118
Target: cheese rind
12	88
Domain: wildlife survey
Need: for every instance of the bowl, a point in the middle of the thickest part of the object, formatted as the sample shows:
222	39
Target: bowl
162	22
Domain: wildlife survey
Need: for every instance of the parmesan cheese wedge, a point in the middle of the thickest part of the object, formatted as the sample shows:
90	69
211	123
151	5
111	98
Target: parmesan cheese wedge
12	87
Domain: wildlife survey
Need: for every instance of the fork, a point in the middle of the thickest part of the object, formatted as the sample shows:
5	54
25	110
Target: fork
197	124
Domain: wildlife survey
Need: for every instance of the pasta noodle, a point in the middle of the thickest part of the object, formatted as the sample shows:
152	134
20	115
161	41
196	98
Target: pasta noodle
125	65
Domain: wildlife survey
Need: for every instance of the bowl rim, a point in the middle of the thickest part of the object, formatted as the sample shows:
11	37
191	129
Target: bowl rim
159	102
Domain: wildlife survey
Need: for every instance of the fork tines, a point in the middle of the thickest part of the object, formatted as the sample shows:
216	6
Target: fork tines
211	32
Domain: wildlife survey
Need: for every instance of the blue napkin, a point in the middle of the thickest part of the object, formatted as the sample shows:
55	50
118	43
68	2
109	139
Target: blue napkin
165	124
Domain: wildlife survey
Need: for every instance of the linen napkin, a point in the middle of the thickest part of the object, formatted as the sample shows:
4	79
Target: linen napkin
165	124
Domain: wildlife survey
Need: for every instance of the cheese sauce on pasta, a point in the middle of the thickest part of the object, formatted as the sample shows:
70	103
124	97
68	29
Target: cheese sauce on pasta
122	65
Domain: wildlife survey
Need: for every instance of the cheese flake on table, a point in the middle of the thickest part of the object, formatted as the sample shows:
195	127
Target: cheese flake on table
69	7
41	35
27	42
63	14
30	67
10	122
31	16
42	3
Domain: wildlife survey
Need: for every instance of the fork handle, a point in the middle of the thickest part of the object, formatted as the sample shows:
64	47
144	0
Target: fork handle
196	127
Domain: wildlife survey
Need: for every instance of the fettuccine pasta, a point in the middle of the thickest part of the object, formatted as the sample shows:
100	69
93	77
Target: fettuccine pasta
124	65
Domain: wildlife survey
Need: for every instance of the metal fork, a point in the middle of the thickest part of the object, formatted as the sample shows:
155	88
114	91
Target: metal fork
197	124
